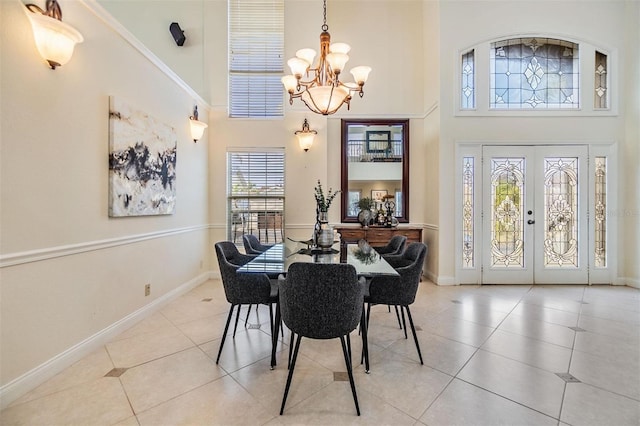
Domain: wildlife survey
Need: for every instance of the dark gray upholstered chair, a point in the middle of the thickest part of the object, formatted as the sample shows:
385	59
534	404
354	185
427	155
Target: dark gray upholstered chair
252	244
395	246
242	289
400	290
322	301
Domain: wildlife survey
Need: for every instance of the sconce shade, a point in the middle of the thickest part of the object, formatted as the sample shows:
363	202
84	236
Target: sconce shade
197	129
305	136
54	39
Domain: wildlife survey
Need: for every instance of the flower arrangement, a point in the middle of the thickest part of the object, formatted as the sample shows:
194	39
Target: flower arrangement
323	202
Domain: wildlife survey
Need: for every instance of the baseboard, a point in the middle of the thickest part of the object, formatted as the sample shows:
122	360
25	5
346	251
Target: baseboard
441	280
35	377
628	282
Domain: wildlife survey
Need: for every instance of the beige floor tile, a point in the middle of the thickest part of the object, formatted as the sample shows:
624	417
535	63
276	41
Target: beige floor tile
154	322
147	347
158	381
536	353
541	313
334	405
459	330
618	376
540	330
267	385
206	329
221	402
99	402
611	348
476	313
587	405
404	384
515	381
249	346
90	368
464	404
616	329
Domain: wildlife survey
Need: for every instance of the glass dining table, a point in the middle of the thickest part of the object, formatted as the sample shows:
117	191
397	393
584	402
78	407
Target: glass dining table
277	259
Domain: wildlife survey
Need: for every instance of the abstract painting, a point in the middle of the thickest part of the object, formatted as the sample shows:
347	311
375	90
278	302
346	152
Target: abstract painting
142	162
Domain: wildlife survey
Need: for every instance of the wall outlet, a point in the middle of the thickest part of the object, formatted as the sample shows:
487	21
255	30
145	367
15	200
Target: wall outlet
147	289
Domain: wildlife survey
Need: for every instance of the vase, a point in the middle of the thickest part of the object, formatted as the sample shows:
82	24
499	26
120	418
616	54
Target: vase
325	237
323	216
364	217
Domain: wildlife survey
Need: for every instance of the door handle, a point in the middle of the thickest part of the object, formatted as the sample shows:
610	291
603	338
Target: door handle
531	222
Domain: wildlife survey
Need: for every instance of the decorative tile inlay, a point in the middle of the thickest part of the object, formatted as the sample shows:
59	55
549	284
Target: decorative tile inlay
456	301
340	376
582	302
116	372
208	299
254	326
568	378
577	329
418	328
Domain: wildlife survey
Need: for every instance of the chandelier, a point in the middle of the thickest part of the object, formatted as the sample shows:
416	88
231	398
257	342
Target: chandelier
324	93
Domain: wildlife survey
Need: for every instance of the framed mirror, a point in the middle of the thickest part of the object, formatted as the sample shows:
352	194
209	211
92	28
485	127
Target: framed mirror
375	164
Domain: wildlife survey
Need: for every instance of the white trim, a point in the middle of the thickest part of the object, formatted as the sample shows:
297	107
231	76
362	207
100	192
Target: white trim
444	280
629	282
117	27
19	258
38	375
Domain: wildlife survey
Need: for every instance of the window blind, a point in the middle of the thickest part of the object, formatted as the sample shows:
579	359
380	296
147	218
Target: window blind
255	195
256	50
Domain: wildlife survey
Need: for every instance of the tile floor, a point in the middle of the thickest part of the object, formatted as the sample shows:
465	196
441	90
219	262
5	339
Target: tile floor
492	355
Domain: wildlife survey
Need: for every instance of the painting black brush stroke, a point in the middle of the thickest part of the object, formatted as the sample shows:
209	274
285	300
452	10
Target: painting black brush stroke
142	163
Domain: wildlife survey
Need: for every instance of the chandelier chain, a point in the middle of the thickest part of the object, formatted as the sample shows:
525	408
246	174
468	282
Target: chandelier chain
325	27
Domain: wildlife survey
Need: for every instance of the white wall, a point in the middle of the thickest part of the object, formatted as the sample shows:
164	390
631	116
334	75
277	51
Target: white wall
69	274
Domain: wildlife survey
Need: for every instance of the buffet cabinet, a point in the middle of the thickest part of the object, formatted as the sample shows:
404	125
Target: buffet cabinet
377	236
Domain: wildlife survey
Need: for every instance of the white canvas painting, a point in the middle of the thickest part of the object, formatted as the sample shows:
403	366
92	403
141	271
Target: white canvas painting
142	162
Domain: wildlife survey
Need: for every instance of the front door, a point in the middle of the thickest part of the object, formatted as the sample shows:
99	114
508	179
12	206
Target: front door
535	215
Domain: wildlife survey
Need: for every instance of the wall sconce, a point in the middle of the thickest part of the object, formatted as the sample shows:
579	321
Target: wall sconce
197	127
55	40
305	136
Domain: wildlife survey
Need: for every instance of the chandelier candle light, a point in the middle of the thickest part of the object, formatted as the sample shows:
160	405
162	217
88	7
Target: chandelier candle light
324	93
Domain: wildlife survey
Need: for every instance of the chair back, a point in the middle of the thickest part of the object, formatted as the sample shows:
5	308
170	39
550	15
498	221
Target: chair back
321	301
240	289
395	246
252	244
402	289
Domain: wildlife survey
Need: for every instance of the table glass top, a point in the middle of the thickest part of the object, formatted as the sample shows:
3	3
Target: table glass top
277	259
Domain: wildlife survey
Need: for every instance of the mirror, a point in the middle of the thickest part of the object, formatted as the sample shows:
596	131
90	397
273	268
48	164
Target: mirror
375	163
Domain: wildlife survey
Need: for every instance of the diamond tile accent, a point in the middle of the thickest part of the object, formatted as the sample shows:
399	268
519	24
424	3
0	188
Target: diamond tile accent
577	329
254	326
208	299
340	376
567	377
456	301
116	372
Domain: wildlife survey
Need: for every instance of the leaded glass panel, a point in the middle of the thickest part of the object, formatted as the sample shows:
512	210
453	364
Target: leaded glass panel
561	212
600	97
468	92
467	212
507	202
600	221
534	73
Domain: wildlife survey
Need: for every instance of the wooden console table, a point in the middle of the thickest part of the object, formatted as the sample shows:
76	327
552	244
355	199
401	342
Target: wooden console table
376	236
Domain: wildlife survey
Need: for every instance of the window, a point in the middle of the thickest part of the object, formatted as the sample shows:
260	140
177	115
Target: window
468	100
256	48
255	195
534	73
600	98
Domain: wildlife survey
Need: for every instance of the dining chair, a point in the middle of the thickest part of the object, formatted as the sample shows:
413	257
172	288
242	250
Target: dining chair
252	244
400	290
395	246
322	301
242	289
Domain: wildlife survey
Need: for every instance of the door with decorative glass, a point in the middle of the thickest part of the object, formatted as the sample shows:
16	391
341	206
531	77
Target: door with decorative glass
535	215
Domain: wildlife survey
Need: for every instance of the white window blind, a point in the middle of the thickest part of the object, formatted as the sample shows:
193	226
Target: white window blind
255	195
256	48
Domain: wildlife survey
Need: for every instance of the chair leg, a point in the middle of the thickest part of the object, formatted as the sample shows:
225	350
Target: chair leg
413	330
365	342
291	342
347	360
348	338
398	316
404	323
290	375
237	318
274	336
246	319
224	335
